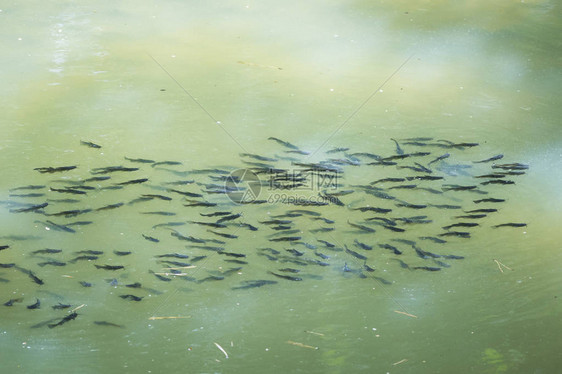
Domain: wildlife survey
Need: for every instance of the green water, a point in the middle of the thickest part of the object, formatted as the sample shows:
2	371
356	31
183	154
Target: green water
151	80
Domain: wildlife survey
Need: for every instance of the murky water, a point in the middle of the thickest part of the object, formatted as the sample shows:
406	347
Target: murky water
202	82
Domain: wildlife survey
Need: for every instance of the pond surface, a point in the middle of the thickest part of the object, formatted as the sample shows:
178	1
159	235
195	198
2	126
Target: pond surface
203	83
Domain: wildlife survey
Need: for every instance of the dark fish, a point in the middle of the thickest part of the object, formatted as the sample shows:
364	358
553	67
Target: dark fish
452	257
161	277
514	166
85	284
110	267
295	252
368	268
90	252
427	268
254	284
173	255
355	254
97	179
388	180
180	183
111	169
67	190
325	220
383	281
232	254
433	239
497	181
90	144
210	224
46	251
2	247
235	261
391	248
31	275
493	158
491	176
169	224
472	216
283	143
122	253
403	187
185	193
30	187
403	265
70	213
361	227
37	305
224	235
85	257
52	262
442	157
215	214
29	209
140	160
288	277
12	301
257	157
405	241
285	239
460	224
424	178
155	196
175	263
362	245
166	163
211	278
150	238
373	209
131	297
276	222
229	218
61	306
511	224
67	318
28	195
399	150
322	229
412	206
110	206
456	187
134	285
160	213
109	324
460	234
7	266
335	150
54	169
133	181
445	206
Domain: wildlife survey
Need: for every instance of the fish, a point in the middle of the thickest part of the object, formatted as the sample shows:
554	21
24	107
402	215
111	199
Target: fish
403	265
355	254
391	248
472	216
514	166
166	163
84	257
258	157
373	209
460	224
412	206
361	227
50	169
155	196
283	143
287	277
185	193
150	238
215	214
493	158
32	208
36	305
122	253
497	181
111	169
69	213
52	262
85	284
160	277
445	206
362	245
109	324
46	251
442	157
399	150
90	252
494	175
433	239
428	268
61	306
160	213
140	160
285	239
210	224
510	224
29	187
253	284
110	267
456	233
133	181
110	206
31	275
229	218
2	247
89	144
173	255
67	190
131	297
28	195
224	235
12	301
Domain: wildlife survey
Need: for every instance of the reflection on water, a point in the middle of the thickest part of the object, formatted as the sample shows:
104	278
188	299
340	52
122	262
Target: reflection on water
304	73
